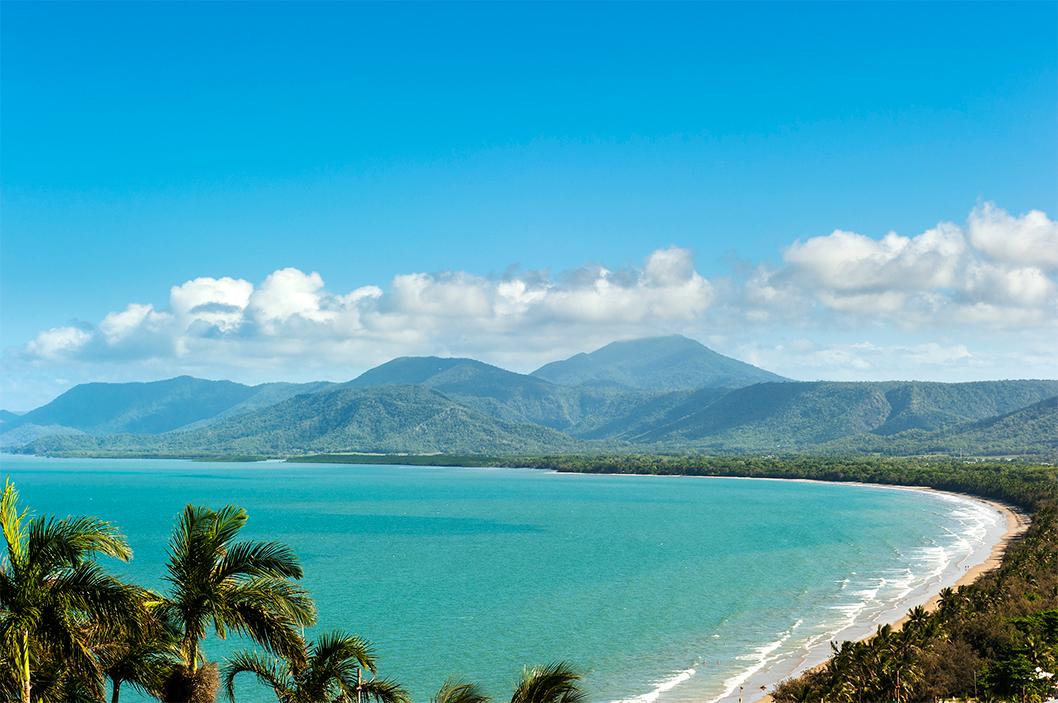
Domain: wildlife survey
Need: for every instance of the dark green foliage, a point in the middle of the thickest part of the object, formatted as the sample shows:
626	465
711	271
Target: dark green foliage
554	683
226	585
330	670
56	603
657	364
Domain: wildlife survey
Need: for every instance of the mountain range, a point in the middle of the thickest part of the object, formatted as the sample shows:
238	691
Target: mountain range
655	394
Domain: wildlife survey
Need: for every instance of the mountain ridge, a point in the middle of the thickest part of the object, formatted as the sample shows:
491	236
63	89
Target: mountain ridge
669	363
462	405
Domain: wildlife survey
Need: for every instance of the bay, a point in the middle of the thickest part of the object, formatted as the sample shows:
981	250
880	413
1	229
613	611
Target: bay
657	588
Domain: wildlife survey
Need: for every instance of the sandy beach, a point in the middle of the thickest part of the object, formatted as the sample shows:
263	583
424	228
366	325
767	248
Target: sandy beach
1016	524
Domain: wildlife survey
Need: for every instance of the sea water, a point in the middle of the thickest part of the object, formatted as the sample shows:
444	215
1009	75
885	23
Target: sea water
656	588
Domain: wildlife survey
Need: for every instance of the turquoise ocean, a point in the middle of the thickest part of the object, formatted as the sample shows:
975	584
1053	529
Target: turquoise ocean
658	588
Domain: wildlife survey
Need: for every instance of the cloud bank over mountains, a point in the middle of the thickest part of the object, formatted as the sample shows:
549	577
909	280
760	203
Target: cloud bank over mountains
823	307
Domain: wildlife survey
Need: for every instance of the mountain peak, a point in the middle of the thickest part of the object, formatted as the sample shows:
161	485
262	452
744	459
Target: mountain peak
667	363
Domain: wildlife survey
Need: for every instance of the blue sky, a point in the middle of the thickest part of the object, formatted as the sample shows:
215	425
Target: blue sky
147	145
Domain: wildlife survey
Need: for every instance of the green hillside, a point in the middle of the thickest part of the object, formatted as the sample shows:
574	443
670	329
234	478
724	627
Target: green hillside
158	406
658	364
1029	431
464	406
512	397
805	415
144	408
343	419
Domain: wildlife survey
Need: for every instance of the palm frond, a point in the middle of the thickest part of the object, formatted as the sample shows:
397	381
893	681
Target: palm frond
271	672
383	691
11	521
553	683
256	559
74	539
459	692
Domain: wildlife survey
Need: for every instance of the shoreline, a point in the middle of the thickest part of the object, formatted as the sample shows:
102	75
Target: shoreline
1016	523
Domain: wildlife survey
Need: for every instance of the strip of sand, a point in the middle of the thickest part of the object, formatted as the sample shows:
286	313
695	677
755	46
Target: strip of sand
1016	524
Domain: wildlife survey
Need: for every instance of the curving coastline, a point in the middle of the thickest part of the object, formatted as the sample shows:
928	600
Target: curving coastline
763	673
1015	523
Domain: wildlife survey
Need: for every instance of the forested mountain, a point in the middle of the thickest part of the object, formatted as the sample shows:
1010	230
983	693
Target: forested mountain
453	405
512	397
1030	432
803	415
385	419
144	408
656	363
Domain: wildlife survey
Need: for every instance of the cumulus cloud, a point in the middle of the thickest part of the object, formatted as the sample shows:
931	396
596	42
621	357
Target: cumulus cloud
996	272
58	342
214	302
292	314
846	261
1028	240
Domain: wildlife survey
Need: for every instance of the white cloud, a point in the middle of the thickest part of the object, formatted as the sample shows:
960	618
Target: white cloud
291	316
992	280
118	326
286	293
995	274
216	302
1028	240
58	342
1025	286
846	261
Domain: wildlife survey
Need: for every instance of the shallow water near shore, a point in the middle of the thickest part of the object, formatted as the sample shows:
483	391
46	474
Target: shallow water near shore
658	588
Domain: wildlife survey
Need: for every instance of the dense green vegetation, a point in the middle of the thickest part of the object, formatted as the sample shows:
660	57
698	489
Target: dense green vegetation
69	630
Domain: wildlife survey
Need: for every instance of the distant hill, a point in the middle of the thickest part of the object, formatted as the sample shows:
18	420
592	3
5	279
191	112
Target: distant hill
627	396
658	364
804	415
142	408
509	396
341	419
1029	431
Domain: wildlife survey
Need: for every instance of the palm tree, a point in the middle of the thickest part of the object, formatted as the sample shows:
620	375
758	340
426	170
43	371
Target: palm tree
330	671
459	692
244	587
554	683
143	662
55	599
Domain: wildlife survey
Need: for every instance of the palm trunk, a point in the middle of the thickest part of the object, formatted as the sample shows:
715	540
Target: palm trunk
27	689
117	691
